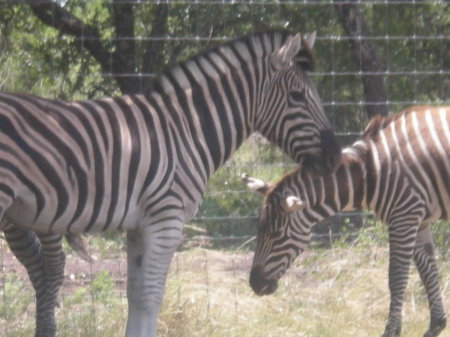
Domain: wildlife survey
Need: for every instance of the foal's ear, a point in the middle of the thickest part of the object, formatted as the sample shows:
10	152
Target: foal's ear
255	185
292	203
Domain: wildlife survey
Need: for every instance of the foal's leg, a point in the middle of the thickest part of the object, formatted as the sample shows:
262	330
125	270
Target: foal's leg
402	237
426	264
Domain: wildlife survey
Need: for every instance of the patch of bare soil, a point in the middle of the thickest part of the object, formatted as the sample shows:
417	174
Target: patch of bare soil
79	272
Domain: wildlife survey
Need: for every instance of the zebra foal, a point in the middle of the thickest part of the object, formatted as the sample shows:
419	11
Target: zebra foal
400	170
140	163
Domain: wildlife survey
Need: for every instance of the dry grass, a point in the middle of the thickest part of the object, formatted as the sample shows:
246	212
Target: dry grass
336	293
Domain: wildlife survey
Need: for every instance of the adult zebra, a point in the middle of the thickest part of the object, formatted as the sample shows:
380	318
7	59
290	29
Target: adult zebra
400	170
140	163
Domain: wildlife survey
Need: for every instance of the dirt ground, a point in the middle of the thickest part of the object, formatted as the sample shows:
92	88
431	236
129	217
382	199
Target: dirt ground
79	272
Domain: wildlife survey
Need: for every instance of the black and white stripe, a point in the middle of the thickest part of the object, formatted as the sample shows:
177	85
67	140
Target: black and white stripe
140	163
400	170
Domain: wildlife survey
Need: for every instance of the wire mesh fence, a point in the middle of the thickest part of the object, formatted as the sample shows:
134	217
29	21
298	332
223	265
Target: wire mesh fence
39	54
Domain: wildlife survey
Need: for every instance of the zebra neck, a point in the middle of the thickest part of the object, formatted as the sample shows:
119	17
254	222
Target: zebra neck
345	189
209	106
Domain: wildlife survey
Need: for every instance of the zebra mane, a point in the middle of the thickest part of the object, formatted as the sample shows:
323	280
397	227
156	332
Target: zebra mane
304	59
378	123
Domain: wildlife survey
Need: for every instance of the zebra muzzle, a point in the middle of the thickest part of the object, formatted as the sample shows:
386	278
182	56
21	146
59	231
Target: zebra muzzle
260	285
328	159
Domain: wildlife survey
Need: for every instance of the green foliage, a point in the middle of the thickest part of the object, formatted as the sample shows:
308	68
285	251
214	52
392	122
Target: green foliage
39	60
102	286
92	310
15	297
441	237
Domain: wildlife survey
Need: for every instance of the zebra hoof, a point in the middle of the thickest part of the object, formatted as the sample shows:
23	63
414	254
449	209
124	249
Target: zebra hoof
436	327
392	331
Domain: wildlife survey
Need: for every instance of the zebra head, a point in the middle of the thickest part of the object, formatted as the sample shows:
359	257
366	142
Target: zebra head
283	233
291	113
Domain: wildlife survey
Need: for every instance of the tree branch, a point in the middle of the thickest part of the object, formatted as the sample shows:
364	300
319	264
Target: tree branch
122	61
53	15
365	55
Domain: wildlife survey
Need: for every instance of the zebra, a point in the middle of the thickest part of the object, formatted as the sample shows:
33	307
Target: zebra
400	170
140	163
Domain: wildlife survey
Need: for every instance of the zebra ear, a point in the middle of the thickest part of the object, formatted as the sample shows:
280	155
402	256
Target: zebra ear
304	57
284	56
292	204
255	185
309	40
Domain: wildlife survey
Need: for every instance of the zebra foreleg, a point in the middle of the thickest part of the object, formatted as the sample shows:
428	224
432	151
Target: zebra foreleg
426	264
401	249
26	246
150	252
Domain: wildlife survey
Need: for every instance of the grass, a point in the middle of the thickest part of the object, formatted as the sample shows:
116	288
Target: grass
334	292
338	292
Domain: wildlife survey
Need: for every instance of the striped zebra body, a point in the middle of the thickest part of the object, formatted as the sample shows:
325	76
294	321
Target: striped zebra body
82	182
399	170
140	163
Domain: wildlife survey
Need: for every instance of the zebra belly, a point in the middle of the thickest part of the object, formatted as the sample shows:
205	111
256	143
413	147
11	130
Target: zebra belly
23	214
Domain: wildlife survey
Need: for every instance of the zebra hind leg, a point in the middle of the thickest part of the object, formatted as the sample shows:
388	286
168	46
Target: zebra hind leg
26	246
54	262
44	261
429	274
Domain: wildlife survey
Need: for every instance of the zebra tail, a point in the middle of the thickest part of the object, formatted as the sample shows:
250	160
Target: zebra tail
78	245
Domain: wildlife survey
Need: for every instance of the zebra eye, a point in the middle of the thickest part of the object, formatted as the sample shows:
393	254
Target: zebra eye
297	96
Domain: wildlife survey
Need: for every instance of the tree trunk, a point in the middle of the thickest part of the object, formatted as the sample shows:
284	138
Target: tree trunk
365	55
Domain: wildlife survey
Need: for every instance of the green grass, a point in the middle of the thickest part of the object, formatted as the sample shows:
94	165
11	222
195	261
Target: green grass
335	292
